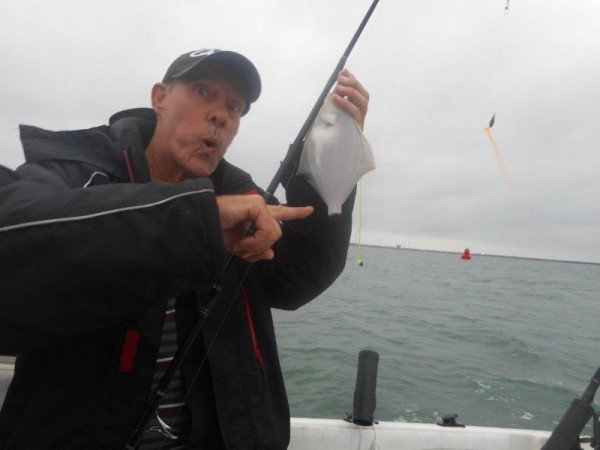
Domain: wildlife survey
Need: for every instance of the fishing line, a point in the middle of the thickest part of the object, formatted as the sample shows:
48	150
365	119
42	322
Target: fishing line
378	210
366	33
356	291
375	444
358	232
361	221
359	260
12	119
359	438
500	72
499	84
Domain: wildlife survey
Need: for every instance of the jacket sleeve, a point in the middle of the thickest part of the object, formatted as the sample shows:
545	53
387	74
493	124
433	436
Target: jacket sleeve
311	253
74	260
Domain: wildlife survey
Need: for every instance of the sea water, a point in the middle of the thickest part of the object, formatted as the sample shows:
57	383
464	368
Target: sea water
499	341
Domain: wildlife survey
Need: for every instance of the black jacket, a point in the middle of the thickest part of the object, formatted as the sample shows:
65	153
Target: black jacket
88	261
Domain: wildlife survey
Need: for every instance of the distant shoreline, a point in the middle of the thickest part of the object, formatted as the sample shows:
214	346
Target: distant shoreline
477	254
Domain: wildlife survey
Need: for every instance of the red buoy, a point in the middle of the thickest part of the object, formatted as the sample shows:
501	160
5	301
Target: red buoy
466	254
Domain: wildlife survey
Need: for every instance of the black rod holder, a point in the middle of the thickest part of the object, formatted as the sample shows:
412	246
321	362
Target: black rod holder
364	394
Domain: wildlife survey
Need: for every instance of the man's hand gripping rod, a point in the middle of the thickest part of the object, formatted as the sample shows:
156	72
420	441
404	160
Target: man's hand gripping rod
286	166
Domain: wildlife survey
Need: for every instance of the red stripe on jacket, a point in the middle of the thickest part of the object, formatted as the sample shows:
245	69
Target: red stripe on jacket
129	351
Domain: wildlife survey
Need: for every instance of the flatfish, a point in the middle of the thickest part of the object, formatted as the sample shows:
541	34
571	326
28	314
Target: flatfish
336	155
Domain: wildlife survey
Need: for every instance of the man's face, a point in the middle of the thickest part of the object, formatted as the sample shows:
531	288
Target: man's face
197	121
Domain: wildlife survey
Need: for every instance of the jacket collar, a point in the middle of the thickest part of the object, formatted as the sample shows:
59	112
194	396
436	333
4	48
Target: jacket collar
101	146
91	146
129	130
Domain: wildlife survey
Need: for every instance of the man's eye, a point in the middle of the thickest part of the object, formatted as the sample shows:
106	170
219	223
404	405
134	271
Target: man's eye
202	90
236	107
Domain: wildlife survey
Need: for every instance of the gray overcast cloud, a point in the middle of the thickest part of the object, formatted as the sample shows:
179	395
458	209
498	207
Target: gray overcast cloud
436	71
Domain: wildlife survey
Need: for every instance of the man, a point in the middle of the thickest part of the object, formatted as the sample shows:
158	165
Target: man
111	238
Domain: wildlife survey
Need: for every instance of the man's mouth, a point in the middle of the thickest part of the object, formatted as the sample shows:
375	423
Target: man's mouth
210	143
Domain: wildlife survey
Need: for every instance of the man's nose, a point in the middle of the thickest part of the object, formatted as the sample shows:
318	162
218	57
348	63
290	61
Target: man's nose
218	115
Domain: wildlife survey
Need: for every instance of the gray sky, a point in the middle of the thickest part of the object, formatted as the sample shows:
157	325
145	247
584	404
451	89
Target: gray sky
436	71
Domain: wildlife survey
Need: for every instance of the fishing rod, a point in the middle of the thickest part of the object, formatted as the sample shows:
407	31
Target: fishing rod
566	434
285	167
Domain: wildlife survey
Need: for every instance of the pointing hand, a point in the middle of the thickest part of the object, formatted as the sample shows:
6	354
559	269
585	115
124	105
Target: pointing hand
237	212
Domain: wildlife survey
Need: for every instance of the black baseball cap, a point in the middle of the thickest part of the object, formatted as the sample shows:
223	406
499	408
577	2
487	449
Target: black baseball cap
185	66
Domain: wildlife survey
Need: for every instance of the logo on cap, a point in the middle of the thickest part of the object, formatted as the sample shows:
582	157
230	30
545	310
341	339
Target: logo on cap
203	52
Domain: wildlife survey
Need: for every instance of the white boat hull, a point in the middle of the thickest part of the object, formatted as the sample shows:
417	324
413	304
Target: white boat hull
327	434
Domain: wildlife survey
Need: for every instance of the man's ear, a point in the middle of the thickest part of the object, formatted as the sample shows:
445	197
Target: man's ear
159	92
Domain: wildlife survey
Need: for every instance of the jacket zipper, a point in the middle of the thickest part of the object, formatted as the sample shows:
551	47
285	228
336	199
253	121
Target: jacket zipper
255	347
132	337
129	165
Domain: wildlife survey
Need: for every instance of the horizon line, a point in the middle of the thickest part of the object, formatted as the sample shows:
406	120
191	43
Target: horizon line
398	247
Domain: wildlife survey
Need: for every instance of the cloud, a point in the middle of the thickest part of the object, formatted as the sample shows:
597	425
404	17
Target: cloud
436	71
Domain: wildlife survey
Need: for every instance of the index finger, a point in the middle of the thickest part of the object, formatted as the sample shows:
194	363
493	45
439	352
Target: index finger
280	212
